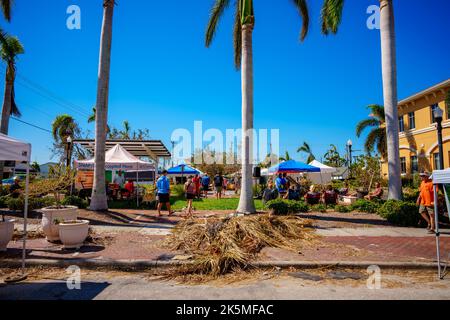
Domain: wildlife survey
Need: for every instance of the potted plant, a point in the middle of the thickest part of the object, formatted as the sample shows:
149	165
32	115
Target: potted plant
59	181
6	232
73	233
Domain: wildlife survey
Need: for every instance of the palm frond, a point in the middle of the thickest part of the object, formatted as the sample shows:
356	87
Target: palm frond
377	112
361	126
302	7
14	108
331	15
216	13
237	37
376	139
6	6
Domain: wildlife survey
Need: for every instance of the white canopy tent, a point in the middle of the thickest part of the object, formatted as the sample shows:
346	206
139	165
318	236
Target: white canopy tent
440	178
325	174
117	158
15	150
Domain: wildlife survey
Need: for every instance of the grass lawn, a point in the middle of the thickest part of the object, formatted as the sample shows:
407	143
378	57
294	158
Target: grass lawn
214	204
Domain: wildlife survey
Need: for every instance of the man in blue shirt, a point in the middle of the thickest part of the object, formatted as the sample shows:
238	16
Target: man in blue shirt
205	184
163	187
280	183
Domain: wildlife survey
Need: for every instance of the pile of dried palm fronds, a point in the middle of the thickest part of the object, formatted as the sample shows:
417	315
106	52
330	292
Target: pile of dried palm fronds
228	244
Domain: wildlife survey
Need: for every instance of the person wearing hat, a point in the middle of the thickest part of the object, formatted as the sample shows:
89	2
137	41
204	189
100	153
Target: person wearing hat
426	201
15	188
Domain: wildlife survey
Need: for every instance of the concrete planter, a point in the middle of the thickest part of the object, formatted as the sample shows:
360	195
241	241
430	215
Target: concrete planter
73	233
6	233
52	217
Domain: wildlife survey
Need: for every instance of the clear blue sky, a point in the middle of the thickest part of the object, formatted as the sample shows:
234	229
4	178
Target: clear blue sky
163	77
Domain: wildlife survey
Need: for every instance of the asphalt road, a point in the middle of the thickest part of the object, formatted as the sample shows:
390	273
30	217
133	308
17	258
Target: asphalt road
103	286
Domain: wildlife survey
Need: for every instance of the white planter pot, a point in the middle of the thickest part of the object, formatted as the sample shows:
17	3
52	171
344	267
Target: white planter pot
49	215
6	233
73	234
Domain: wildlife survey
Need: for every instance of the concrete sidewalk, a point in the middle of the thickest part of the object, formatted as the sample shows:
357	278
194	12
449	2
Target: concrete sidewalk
142	245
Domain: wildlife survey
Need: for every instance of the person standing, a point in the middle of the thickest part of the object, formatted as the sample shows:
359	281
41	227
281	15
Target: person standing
163	187
426	201
205	184
218	185
280	183
196	180
190	192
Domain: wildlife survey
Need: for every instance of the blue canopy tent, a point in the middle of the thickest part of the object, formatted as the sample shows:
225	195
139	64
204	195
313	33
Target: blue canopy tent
183	169
292	166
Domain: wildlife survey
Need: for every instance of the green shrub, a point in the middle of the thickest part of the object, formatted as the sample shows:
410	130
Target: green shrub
18	204
75	201
4	191
278	207
410	195
297	207
401	213
3	200
366	206
283	207
319	208
342	209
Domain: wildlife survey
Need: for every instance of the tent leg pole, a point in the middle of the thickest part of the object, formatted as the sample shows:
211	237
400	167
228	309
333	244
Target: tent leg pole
25	220
436	222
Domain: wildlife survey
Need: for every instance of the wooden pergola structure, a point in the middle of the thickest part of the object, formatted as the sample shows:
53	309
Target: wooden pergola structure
153	149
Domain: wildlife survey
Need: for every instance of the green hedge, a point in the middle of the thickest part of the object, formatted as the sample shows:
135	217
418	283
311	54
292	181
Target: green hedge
342	209
401	213
18	204
284	207
319	208
366	206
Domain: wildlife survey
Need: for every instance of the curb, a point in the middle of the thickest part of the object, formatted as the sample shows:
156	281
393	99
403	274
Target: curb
153	264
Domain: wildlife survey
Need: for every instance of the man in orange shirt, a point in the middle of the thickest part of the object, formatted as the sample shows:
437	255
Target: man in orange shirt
426	201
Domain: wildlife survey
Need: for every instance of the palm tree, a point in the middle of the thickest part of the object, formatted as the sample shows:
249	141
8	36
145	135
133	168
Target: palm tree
389	70
64	127
305	148
243	59
333	158
376	139
10	49
287	157
99	200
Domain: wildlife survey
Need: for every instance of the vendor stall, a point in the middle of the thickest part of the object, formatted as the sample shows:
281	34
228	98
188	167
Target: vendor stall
119	159
15	150
322	177
292	166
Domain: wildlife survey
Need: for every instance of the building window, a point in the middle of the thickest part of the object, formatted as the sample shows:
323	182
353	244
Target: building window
401	124
436	161
412	120
432	108
414	164
403	164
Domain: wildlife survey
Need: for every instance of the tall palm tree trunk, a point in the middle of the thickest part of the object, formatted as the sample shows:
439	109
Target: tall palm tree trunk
6	113
389	66
6	109
246	203
99	200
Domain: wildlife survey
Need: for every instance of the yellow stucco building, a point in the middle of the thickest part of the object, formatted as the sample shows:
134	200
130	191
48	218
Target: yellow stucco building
418	134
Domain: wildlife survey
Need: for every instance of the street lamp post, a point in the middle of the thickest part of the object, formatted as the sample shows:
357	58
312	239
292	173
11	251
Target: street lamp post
438	115
69	147
349	147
